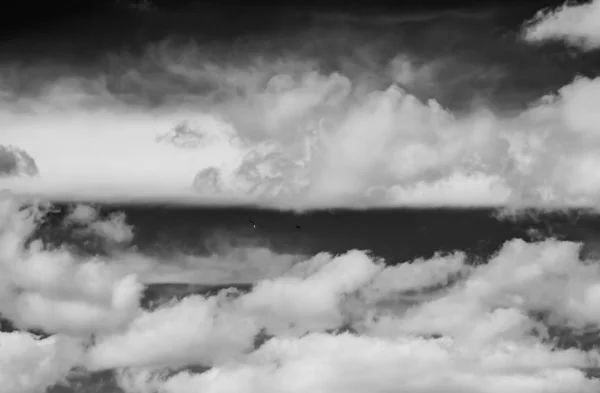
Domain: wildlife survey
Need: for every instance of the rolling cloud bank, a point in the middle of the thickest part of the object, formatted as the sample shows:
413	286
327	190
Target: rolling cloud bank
525	320
360	118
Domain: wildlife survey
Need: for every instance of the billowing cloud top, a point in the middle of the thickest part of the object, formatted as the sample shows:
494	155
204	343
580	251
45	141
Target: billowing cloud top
576	24
357	119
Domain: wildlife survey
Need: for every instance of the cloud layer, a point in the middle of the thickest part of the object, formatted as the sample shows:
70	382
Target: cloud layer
287	125
323	323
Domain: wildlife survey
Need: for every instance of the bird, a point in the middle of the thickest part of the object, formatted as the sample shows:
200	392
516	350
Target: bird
252	222
298	227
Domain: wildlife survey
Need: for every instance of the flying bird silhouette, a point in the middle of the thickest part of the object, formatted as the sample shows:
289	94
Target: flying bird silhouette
298	227
252	222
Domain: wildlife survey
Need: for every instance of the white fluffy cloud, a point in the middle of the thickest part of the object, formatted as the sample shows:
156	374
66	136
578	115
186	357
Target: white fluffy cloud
354	364
30	365
194	330
284	130
112	229
325	323
478	334
53	290
576	24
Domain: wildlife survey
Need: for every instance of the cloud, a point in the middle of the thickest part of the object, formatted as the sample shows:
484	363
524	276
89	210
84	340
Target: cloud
82	214
284	130
336	147
327	363
309	298
234	264
575	24
369	121
16	162
193	331
53	290
321	323
113	229
419	275
29	364
478	333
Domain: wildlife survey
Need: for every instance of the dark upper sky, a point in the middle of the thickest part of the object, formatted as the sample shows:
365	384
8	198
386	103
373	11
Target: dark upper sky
484	57
398	235
73	17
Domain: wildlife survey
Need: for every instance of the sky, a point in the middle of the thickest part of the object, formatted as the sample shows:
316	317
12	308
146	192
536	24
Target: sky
439	108
492	106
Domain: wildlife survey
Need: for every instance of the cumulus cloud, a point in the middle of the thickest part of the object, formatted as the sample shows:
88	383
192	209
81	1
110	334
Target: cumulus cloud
309	298
474	325
16	162
354	364
113	229
29	364
323	323
193	331
384	148
575	23
53	290
362	124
